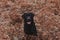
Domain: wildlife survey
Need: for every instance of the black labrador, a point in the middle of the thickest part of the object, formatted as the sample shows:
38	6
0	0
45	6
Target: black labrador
29	25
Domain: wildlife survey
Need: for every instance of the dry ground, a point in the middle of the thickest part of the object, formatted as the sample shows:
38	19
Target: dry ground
47	18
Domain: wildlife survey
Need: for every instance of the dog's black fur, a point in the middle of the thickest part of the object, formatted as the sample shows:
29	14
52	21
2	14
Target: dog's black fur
29	29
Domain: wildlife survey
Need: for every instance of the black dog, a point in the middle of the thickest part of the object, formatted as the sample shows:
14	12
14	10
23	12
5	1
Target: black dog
29	25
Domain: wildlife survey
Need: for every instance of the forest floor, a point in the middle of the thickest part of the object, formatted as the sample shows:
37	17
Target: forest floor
47	19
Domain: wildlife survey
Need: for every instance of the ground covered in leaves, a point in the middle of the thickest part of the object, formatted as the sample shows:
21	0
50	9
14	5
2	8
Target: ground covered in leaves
47	18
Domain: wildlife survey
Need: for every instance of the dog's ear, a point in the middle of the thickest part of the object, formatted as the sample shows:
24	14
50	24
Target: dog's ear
32	14
23	15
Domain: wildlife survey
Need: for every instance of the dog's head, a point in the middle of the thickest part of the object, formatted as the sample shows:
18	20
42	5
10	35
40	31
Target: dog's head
28	16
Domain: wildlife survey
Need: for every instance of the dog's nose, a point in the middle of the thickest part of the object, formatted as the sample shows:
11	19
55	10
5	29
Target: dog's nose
28	18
